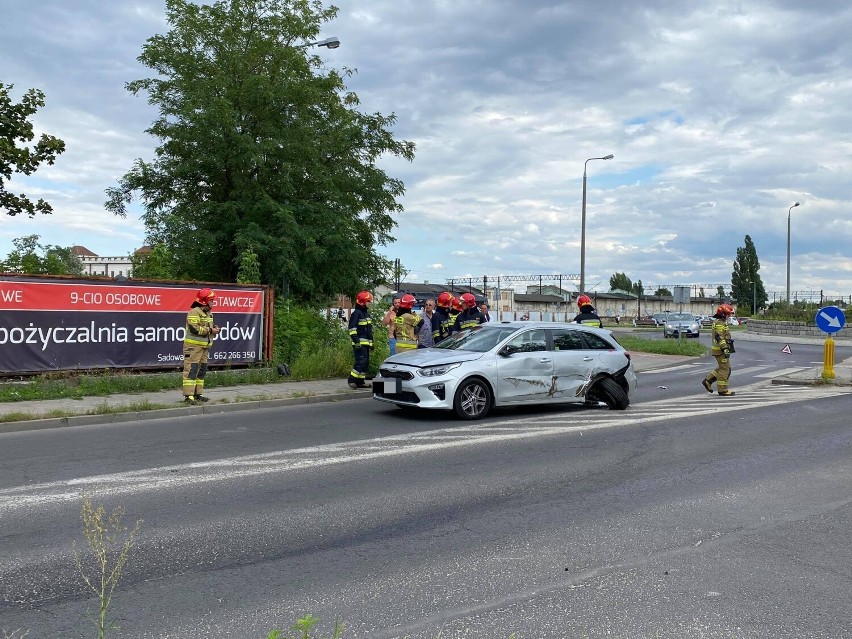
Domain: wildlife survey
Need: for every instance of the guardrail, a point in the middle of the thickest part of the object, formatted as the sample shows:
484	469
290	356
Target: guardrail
793	329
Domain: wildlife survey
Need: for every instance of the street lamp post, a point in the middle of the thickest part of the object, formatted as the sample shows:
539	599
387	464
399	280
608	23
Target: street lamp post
583	225
795	204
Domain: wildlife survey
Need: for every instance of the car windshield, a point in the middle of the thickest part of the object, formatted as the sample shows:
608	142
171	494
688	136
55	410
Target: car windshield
478	339
681	317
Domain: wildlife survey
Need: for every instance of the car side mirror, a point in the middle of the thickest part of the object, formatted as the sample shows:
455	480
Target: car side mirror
508	350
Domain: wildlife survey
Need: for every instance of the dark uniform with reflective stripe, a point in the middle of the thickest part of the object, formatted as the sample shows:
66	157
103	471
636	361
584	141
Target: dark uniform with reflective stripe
467	319
361	333
588	318
441	324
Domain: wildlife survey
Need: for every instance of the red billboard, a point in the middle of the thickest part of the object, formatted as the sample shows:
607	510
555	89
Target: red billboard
57	324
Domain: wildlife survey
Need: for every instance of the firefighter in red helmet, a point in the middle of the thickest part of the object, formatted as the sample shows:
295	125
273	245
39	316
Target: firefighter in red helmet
361	334
470	316
407	324
200	331
441	322
587	315
722	347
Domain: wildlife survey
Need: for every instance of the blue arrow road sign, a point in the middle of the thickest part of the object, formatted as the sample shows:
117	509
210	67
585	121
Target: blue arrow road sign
830	319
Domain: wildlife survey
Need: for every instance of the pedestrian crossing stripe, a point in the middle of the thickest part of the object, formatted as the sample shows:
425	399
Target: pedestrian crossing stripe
786	349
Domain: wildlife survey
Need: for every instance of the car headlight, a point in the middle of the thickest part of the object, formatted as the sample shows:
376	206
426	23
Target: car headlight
434	371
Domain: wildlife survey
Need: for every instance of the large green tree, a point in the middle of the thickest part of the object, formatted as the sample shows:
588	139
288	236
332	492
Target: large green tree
746	284
262	149
40	259
620	282
15	127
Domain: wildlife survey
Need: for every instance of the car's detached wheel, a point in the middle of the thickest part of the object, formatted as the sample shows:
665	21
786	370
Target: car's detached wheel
610	393
472	400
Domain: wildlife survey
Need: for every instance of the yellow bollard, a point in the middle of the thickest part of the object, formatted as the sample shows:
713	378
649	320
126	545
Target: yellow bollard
828	359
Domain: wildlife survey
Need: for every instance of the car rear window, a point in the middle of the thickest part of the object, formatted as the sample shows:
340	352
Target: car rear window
596	342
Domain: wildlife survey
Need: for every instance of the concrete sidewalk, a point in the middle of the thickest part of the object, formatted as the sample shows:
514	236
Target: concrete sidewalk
58	413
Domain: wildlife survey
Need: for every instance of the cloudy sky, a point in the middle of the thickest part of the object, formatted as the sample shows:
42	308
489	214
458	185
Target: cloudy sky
720	114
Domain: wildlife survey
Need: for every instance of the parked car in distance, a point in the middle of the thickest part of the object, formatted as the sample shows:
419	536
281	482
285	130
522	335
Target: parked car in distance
510	364
733	320
660	318
681	324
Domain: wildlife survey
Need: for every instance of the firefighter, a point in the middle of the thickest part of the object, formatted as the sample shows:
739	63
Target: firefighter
723	346
361	334
441	322
587	315
470	316
200	331
407	324
456	307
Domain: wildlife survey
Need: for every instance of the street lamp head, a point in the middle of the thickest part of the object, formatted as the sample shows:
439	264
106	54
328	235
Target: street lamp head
608	157
795	204
331	43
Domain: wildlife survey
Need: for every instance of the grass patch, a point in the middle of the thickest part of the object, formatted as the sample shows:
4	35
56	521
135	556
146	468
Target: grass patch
17	417
691	347
105	408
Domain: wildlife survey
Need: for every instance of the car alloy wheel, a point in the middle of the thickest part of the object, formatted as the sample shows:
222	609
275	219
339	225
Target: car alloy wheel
473	399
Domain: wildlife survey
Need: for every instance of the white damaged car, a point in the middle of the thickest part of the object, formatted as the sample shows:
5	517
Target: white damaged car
510	364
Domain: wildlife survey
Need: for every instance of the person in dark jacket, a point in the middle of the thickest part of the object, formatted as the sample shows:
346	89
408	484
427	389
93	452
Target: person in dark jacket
470	316
483	308
361	333
587	315
441	322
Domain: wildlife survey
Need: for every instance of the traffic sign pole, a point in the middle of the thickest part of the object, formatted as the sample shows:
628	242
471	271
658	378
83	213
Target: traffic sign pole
828	359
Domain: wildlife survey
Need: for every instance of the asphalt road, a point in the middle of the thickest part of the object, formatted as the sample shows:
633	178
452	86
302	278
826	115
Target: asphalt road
688	515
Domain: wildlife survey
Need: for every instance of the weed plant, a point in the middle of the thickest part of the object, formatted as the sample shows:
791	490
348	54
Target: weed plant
109	544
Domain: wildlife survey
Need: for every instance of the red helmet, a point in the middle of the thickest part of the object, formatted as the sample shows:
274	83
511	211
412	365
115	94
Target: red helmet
445	299
468	299
457	304
584	300
364	298
407	301
204	296
725	309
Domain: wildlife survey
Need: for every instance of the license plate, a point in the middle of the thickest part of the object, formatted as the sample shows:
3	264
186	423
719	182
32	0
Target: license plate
385	386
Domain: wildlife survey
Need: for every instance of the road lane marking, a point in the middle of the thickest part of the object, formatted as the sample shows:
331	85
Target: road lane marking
784	371
669	369
574	420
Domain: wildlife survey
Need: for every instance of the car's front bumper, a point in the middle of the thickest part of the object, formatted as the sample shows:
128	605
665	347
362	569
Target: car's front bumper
435	392
688	332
